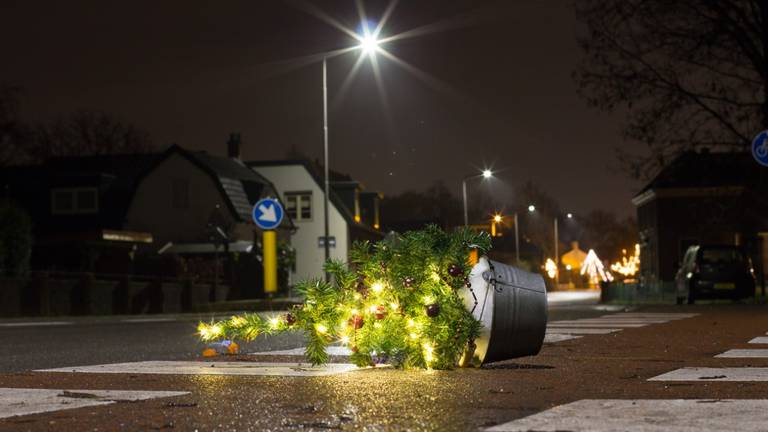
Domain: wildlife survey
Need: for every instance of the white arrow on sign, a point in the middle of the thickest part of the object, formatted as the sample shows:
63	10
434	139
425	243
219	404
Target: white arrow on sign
267	213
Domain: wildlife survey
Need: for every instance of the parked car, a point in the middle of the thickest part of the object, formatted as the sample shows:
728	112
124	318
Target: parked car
713	272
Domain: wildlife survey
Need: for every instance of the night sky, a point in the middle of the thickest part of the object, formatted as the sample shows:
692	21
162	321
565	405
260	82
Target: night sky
191	72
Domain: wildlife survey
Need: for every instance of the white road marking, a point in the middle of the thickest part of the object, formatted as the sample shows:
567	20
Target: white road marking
626	318
550	338
759	340
147	320
744	353
35	323
647	415
212	368
756	374
331	350
670	316
580	330
21	401
592	325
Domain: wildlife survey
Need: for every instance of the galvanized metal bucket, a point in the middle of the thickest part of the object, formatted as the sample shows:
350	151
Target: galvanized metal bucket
512	306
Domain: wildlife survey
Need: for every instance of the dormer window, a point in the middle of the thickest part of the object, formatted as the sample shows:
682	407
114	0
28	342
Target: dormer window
74	201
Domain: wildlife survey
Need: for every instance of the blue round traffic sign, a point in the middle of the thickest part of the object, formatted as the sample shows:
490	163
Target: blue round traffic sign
760	148
267	213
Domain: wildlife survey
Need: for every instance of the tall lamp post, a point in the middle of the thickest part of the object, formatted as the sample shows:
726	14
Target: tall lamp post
485	174
531	209
368	43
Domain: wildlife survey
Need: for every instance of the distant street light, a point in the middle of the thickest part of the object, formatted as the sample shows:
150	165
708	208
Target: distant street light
496	220
369	44
486	174
531	208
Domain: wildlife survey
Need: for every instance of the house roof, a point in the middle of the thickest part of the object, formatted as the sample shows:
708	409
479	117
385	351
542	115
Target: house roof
707	170
314	173
242	186
115	176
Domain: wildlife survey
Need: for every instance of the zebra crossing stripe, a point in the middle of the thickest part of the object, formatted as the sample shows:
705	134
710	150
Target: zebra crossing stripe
646	415
580	330
741	374
744	353
551	338
24	401
331	350
211	368
593	325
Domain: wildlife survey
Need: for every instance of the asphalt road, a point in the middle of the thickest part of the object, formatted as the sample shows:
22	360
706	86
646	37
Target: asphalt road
30	344
585	375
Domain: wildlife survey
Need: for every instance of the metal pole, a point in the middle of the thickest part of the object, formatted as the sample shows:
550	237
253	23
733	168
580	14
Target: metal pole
464	195
326	242
517	241
557	257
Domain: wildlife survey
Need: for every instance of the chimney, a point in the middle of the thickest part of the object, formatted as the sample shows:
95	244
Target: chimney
233	146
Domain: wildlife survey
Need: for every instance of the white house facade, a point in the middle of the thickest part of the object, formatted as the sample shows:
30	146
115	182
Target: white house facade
303	196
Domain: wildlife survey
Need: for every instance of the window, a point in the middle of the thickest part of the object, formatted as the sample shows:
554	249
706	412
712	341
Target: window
298	205
74	201
180	193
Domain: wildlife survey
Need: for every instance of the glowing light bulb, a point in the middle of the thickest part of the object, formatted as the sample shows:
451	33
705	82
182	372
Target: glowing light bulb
414	336
428	300
428	352
216	330
394	306
377	287
321	328
274	322
345	340
411	323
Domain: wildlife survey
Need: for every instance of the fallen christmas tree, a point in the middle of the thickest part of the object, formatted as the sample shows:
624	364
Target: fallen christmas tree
395	302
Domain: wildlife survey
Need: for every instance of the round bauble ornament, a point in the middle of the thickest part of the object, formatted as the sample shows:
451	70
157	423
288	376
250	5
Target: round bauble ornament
380	312
356	322
433	310
454	270
289	318
408	282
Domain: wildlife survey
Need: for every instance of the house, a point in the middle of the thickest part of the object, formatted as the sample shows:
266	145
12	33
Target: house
352	213
702	198
77	206
176	214
198	206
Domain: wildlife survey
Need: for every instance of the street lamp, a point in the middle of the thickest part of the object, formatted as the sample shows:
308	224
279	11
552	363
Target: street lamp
486	174
496	220
369	44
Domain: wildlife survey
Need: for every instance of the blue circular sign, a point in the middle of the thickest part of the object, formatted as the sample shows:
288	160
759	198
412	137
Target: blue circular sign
267	213
760	148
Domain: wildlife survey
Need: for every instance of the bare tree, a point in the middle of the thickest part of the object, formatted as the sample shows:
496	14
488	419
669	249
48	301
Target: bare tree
87	133
689	73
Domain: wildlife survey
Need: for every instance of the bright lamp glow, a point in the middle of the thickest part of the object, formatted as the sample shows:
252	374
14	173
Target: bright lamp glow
497	218
531	208
369	44
570	215
487	173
